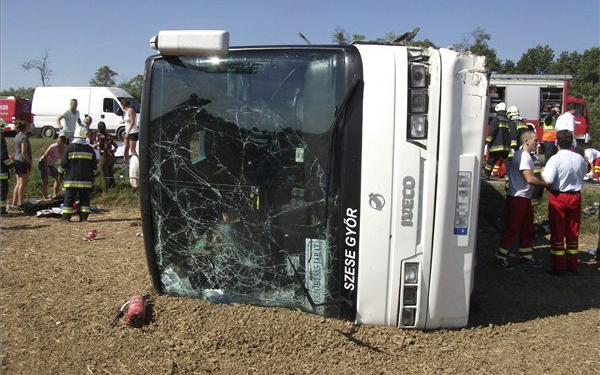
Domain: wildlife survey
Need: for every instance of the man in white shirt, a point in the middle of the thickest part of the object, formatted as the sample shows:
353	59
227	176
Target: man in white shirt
564	173
72	118
566	121
520	212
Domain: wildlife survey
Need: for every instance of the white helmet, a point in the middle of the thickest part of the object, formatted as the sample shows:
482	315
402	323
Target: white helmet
512	111
500	107
80	132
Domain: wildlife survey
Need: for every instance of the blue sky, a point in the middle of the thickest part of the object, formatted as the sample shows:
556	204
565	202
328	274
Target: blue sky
81	36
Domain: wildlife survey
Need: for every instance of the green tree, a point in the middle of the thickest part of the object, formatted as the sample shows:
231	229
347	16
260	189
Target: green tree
477	42
105	76
566	63
42	65
508	67
536	60
340	36
358	38
134	86
21	92
425	43
588	68
586	81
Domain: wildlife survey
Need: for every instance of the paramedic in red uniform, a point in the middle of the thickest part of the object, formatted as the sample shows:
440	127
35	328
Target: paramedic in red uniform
564	173
518	199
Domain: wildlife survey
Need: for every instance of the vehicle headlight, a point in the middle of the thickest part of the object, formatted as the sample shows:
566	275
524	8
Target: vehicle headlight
418	75
418	98
418	126
418	101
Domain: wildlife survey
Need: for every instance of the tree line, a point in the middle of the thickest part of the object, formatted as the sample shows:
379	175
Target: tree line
584	67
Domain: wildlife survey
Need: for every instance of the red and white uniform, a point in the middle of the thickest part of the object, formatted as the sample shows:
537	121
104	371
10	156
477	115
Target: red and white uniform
592	156
520	212
564	172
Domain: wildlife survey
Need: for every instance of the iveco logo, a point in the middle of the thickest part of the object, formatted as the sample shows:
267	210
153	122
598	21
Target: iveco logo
376	201
408	201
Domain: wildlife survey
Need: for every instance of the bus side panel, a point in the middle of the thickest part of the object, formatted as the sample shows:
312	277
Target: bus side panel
462	106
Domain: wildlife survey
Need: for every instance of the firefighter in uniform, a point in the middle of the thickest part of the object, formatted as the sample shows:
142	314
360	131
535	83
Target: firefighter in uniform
78	164
500	137
564	173
549	134
5	165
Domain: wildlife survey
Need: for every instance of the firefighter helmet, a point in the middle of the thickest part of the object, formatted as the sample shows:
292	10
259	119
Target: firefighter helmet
80	132
500	107
512	111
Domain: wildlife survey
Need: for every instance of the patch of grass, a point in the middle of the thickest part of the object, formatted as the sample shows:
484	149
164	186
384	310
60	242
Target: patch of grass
122	195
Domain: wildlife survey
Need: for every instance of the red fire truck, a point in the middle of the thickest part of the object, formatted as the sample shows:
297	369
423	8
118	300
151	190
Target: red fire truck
12	110
533	93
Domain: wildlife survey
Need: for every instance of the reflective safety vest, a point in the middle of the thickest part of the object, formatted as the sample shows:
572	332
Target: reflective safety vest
501	134
549	134
5	161
79	162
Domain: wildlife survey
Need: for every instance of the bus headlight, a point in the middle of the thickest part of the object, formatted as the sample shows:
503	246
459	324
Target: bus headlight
408	316
418	126
418	75
418	98
411	273
418	101
409	297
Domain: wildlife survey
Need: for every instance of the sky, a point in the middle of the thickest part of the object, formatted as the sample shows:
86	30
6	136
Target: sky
81	36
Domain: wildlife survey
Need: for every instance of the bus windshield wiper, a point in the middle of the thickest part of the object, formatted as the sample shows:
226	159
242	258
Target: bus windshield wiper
338	121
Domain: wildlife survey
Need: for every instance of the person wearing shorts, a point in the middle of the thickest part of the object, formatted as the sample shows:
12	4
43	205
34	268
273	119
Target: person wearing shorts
46	166
21	162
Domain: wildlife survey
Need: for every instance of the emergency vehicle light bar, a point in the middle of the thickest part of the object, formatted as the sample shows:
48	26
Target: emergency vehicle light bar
191	42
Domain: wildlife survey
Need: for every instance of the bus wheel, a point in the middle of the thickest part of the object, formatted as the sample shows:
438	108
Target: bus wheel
48	132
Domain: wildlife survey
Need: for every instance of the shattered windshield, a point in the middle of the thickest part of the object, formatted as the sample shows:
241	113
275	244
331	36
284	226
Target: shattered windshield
239	149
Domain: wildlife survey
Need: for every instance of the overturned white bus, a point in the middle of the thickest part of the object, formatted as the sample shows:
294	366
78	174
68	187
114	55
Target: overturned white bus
341	180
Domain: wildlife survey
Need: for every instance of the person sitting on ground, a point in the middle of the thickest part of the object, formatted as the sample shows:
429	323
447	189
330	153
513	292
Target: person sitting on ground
46	166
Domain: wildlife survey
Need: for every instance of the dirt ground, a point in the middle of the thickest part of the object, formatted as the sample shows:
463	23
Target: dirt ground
59	294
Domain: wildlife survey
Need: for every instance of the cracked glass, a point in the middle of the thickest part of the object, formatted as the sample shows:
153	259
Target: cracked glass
239	149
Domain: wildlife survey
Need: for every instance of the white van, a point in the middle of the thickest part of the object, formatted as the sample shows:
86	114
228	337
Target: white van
101	103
